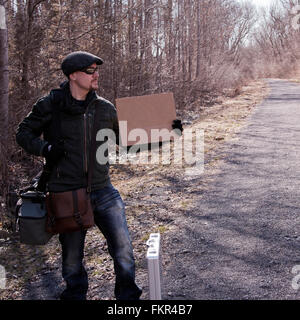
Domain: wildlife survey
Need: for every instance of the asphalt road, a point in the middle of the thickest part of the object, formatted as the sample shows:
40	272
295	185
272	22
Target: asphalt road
243	241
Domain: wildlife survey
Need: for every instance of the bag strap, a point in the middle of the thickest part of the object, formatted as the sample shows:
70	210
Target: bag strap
92	155
57	97
76	213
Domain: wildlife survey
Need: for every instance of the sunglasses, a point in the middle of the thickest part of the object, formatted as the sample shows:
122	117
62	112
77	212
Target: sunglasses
89	70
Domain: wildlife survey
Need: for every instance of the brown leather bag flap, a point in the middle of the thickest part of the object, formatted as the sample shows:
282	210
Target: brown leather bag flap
65	204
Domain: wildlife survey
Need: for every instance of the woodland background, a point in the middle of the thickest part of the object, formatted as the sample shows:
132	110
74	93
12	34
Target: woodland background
196	49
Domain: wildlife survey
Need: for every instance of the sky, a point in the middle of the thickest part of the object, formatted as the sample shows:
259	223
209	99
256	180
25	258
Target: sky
261	3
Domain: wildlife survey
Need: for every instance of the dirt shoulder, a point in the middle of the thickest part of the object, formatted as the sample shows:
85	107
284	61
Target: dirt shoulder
156	197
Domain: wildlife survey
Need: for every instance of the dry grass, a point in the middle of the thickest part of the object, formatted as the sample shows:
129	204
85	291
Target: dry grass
295	76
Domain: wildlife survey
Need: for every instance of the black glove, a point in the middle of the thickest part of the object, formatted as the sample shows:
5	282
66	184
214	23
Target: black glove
177	125
43	179
56	152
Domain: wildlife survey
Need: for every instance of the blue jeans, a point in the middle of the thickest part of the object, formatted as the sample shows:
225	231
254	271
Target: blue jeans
109	214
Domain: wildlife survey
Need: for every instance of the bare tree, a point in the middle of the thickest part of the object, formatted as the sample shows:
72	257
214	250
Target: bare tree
277	42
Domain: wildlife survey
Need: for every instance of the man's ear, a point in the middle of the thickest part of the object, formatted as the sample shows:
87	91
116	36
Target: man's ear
72	76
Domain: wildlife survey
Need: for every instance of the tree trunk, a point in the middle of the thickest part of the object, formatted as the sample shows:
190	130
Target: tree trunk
3	98
198	65
130	47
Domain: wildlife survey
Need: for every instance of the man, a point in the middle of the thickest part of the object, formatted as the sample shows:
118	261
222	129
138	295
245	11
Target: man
67	156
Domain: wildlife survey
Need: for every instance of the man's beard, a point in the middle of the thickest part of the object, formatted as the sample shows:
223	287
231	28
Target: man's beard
94	85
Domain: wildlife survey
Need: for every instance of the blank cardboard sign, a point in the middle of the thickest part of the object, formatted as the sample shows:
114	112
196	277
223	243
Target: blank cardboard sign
146	119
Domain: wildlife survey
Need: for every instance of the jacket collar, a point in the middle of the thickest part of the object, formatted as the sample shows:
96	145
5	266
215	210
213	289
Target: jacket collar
70	106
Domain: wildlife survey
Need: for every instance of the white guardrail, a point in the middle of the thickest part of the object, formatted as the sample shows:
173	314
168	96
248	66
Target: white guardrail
154	272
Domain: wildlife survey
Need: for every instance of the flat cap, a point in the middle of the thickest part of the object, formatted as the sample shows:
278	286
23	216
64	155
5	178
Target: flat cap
77	61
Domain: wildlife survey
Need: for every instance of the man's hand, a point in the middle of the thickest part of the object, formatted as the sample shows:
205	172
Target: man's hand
54	152
177	125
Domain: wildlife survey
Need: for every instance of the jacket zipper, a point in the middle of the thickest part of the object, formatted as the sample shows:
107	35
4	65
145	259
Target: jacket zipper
86	138
85	146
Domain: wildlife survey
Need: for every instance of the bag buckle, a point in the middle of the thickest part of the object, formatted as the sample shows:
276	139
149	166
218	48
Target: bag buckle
77	217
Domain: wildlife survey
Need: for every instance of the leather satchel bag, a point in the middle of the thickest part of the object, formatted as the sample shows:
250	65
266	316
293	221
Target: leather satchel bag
72	210
69	211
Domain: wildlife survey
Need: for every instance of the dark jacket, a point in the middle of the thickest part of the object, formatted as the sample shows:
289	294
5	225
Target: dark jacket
76	128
